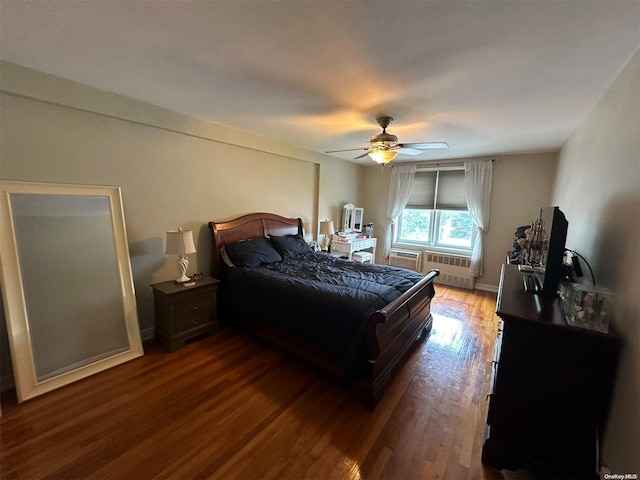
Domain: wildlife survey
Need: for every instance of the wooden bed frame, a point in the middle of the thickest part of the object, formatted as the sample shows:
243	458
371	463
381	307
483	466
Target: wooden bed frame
393	331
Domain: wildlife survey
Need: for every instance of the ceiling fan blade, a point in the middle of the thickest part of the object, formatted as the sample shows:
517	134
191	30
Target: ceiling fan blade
363	155
424	145
347	150
410	151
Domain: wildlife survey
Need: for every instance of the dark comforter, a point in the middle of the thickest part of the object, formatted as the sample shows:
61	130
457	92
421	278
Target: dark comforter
320	299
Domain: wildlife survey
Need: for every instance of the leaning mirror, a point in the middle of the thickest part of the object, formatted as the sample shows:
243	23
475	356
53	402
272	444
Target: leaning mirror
66	282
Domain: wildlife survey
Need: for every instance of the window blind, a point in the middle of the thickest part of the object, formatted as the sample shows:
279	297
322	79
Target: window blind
451	193
423	190
442	190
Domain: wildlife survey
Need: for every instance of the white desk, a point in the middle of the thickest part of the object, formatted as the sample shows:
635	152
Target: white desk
355	246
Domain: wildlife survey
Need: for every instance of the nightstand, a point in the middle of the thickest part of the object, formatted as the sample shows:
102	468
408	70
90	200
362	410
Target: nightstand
183	313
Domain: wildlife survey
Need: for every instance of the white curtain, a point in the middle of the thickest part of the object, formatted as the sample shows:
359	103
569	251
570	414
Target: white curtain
399	189
477	178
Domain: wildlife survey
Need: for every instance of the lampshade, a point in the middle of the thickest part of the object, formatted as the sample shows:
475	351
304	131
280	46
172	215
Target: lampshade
326	227
383	155
180	242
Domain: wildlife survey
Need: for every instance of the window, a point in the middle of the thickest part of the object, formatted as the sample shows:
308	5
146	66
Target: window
436	213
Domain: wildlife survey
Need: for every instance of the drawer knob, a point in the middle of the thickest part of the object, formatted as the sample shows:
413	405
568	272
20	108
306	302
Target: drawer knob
195	322
194	307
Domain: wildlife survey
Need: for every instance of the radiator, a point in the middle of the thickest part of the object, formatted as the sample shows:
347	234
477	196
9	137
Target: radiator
454	270
405	259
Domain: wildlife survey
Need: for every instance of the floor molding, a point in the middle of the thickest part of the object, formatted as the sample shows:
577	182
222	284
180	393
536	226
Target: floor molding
486	288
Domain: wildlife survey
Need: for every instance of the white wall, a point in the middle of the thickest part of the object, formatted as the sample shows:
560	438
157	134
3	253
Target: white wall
174	170
521	185
598	185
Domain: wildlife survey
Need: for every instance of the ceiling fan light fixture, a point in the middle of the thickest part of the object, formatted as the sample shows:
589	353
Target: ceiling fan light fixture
384	146
382	156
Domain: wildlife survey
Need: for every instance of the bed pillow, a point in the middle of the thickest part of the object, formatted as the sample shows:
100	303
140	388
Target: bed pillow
290	245
225	257
252	253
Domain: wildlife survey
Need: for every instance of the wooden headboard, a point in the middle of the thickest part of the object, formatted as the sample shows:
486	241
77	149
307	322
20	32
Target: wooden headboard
249	226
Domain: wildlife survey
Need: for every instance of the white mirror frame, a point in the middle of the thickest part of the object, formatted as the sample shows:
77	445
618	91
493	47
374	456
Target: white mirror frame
352	218
28	383
347	217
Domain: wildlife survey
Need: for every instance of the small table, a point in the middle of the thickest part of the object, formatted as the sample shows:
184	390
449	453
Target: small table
183	313
354	246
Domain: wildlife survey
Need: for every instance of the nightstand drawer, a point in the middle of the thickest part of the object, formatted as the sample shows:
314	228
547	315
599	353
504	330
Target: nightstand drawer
194	321
195	304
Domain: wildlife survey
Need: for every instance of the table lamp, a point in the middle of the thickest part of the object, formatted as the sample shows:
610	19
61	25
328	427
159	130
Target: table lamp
326	229
180	242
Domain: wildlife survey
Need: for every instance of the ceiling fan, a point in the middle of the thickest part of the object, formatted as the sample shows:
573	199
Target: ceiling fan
385	147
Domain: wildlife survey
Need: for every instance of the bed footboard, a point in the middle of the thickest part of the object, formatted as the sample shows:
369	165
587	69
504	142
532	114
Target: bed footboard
394	332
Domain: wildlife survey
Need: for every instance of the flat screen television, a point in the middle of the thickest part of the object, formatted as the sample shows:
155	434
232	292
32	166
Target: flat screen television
547	272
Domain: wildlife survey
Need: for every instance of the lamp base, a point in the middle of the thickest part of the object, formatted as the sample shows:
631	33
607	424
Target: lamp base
181	265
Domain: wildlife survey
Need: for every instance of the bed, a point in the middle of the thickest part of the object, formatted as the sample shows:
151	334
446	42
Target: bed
359	322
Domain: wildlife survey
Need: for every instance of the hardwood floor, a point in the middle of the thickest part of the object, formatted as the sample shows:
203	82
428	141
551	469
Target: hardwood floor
233	407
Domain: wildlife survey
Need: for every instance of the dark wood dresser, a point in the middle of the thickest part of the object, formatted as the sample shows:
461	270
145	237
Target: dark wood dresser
183	313
550	388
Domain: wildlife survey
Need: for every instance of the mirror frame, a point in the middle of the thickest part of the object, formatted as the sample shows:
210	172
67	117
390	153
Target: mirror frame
347	217
16	313
350	213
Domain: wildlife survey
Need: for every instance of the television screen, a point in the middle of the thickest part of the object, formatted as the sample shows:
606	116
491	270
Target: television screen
554	217
546	243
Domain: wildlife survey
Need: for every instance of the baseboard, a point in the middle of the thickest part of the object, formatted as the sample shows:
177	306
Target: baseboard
147	333
486	288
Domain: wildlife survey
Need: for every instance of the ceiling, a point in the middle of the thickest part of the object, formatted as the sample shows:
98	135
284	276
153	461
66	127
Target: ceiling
487	77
